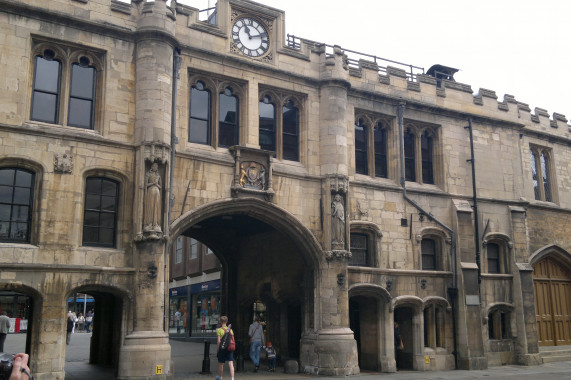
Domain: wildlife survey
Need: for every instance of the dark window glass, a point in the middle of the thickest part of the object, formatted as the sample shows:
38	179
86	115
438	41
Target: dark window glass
46	92
545	172
267	125
228	119
82	95
534	165
504	320
426	151
409	157
359	250
361	148
428	248
491	326
380	136
199	124
16	196
290	132
100	212
493	251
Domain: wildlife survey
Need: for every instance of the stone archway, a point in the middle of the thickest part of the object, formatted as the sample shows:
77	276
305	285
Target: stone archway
267	255
371	322
111	309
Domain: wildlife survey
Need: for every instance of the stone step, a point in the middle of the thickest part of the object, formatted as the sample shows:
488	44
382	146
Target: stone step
556	358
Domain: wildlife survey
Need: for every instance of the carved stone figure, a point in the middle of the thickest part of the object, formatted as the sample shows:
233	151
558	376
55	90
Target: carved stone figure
252	175
152	205
337	220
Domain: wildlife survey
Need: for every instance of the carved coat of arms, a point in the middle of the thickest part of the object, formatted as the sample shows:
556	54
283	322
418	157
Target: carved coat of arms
252	175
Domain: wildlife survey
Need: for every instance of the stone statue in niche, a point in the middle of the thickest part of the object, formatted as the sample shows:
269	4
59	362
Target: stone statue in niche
337	221
152	205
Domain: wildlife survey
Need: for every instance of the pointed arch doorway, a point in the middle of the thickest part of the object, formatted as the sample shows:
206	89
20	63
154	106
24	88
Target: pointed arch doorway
267	257
552	285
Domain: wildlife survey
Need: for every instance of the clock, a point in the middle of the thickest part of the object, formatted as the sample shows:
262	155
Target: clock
250	37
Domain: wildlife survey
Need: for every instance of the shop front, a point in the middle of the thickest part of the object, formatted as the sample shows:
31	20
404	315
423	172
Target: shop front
205	308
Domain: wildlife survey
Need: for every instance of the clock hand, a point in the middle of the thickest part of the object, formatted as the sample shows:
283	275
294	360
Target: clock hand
248	32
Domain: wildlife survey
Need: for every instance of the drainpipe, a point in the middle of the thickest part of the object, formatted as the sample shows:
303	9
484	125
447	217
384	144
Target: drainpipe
174	140
452	291
475	206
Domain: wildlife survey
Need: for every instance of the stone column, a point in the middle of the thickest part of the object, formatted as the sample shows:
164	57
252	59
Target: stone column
526	346
387	338
146	350
330	349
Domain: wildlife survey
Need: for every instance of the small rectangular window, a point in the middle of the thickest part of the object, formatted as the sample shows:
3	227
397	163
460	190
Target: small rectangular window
493	258
361	148
267	126
82	97
193	248
428	248
178	250
359	250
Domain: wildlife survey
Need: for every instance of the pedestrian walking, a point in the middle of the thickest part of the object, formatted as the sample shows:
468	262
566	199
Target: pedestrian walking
69	326
224	355
89	320
256	333
4	329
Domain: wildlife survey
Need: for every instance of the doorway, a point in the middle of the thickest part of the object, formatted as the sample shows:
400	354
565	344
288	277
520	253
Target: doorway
404	357
552	285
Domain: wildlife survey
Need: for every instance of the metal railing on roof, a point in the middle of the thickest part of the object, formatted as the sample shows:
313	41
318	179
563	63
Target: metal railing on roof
353	57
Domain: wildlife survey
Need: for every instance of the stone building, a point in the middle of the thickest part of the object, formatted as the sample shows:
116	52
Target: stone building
343	192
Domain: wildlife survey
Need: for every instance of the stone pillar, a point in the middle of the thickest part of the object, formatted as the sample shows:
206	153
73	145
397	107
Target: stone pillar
330	348
146	350
526	346
468	311
387	338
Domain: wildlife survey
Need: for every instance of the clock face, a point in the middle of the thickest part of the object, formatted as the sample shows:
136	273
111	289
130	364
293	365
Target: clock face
250	37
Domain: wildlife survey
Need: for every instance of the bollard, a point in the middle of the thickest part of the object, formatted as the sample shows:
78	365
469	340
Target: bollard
206	360
239	357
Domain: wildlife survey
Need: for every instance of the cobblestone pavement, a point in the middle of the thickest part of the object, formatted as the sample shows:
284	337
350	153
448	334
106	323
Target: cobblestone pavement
188	361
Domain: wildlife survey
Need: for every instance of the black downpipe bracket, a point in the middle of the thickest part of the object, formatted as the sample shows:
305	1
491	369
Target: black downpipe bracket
453	290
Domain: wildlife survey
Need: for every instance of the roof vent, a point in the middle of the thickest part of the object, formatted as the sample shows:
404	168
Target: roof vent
442	72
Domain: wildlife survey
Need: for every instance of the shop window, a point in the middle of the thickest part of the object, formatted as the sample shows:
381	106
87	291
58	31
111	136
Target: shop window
541	171
498	324
178	250
74	104
16	200
100	212
433	326
205	313
279	132
428	248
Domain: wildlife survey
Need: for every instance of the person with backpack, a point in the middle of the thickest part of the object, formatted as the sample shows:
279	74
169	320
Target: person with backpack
226	347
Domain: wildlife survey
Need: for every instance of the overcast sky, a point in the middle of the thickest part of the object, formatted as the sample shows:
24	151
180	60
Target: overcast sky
516	47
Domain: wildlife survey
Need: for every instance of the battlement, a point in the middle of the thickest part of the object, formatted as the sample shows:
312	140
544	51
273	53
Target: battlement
367	72
364	71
